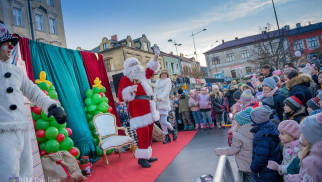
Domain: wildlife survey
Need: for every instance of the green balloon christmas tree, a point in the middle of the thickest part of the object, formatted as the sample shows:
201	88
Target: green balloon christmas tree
96	103
51	136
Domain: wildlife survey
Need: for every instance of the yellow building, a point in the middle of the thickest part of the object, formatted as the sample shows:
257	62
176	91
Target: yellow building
47	20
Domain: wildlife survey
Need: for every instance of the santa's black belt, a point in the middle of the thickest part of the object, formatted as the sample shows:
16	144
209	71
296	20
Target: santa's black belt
143	97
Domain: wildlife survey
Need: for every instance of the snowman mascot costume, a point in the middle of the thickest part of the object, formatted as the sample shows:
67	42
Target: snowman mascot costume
15	142
135	89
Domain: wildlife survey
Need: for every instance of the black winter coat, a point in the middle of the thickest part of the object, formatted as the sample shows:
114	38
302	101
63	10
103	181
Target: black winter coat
230	98
300	83
278	104
218	104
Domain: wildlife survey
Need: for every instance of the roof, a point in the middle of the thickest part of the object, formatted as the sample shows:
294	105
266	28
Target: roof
95	50
168	55
308	28
244	41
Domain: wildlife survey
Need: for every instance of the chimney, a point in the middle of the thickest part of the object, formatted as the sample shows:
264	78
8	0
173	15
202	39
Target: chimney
287	27
181	55
236	38
171	53
114	37
223	41
298	25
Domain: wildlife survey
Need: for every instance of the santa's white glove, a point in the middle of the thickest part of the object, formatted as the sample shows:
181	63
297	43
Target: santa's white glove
135	88
156	50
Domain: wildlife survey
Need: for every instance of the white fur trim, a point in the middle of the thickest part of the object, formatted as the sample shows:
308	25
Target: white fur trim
153	65
146	86
143	153
141	121
154	112
128	93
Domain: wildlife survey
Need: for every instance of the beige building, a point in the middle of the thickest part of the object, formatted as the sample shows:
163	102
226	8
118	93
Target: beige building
115	52
47	20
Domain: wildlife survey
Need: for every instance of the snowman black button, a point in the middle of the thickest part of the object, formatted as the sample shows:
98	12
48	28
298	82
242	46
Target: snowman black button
9	90
7	75
13	107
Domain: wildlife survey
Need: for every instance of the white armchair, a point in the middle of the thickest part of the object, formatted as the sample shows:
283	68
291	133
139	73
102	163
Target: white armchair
107	132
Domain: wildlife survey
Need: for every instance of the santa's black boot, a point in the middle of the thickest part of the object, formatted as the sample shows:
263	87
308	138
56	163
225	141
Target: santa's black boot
174	135
144	163
167	139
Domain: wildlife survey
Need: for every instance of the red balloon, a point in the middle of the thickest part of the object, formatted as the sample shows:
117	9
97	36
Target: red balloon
73	151
69	131
43	152
60	137
45	92
101	94
40	133
37	110
110	109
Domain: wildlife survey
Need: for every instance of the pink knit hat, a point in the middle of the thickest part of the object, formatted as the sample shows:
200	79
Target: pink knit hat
246	96
290	127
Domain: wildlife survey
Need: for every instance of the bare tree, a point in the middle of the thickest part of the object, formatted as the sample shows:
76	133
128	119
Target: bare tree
203	73
195	72
268	48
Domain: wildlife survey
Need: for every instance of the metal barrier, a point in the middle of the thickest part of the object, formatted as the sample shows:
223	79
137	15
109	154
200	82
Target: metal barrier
224	172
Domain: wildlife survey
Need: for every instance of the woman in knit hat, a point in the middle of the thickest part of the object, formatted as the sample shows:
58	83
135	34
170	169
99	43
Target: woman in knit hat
218	103
294	109
289	135
162	89
241	145
313	105
270	89
311	153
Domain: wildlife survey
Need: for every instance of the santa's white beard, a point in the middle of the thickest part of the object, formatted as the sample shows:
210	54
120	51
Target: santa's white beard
136	73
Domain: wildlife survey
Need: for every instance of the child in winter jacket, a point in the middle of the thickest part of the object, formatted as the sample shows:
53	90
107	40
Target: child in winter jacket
194	107
218	103
265	145
289	134
184	110
311	153
123	117
313	104
241	145
205	106
293	108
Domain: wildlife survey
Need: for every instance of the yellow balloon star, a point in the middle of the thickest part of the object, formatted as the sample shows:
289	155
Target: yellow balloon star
97	83
184	87
42	78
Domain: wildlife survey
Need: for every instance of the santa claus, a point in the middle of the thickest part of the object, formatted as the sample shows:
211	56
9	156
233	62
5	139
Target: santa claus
135	89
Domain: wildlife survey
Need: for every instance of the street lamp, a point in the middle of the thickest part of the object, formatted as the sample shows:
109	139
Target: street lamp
193	38
175	44
213	44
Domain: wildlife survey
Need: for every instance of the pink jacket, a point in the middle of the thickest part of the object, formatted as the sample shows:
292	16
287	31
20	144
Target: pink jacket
242	147
204	101
311	168
193	104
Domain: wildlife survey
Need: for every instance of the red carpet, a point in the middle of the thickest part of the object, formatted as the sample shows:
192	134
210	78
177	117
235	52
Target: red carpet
127	169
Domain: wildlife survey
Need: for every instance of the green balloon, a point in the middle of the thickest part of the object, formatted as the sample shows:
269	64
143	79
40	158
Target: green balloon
96	141
89	93
85	109
52	146
88	101
91	125
45	117
35	116
103	106
108	152
43	86
89	116
92	108
52	94
77	156
42	145
99	151
51	132
63	131
97	112
96	90
96	98
52	87
103	90
105	99
67	144
54	123
43	139
93	132
42	124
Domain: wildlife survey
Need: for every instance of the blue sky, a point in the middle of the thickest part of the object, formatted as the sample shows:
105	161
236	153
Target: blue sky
87	22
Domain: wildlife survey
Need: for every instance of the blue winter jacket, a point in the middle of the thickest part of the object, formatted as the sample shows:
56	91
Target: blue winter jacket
265	147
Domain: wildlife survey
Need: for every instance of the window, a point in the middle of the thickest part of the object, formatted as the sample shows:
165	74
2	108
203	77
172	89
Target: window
259	50
230	57
145	46
130	44
298	45
166	65
312	42
50	2
17	17
245	54
248	69
52	26
105	46
40	22
215	60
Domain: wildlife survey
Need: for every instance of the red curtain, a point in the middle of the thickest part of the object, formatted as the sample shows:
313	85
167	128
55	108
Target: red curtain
96	68
25	54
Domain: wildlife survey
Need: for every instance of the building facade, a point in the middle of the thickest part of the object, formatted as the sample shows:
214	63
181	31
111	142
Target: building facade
47	20
172	63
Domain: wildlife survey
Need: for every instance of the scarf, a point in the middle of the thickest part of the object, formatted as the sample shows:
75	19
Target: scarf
271	93
291	145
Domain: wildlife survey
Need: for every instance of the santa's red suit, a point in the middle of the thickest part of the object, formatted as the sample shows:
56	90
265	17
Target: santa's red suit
141	108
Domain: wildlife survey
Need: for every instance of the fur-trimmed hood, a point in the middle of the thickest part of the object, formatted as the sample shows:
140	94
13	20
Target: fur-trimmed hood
304	79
